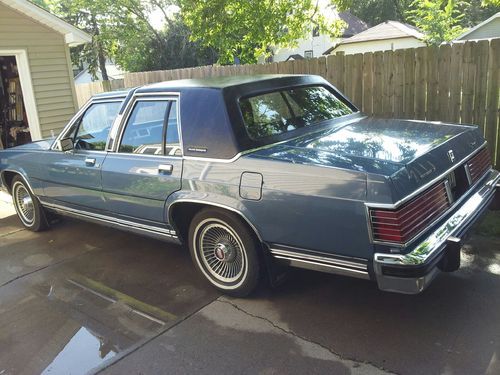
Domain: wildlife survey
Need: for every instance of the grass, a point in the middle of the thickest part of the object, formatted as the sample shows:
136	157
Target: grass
490	225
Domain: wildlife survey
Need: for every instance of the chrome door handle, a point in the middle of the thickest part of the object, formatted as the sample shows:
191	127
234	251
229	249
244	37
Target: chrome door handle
90	162
165	168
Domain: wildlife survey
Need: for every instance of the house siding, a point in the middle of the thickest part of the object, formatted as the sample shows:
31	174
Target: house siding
489	30
379	45
48	61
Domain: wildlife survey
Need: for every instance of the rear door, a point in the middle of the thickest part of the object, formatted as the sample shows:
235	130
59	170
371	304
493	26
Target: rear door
75	177
146	166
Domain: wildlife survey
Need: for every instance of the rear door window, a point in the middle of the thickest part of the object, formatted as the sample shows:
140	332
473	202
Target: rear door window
152	129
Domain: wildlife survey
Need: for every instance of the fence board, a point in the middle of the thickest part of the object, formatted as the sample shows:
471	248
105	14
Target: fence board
409	83
432	112
368	83
480	83
456	83
467	84
420	82
378	83
398	83
444	82
492	129
388	67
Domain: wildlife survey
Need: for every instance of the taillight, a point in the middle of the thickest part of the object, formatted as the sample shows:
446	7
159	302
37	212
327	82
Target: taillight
478	165
410	219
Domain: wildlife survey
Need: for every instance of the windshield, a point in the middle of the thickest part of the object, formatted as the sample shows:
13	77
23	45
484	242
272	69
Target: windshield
286	110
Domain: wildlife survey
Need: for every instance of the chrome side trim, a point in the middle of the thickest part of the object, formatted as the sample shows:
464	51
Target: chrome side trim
321	263
427	185
126	224
187	200
435	241
467	173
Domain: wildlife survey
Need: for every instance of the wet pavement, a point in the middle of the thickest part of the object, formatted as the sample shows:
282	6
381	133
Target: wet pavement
82	298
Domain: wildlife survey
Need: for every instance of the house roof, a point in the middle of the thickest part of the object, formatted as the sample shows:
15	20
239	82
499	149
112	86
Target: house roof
478	26
385	30
354	24
72	35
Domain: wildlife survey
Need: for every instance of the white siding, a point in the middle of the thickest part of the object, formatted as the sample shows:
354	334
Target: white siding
379	45
48	60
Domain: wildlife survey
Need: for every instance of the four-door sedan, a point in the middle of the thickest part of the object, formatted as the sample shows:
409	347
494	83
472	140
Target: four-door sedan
256	171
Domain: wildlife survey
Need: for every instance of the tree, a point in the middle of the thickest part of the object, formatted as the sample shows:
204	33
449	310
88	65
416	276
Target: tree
177	51
439	20
245	29
115	26
377	11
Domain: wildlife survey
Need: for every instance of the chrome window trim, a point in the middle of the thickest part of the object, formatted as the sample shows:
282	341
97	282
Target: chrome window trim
125	116
80	113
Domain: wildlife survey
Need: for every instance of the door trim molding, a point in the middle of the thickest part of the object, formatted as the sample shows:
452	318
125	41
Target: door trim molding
23	67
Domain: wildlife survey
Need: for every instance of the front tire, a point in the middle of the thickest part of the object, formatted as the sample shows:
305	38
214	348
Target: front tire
28	208
224	251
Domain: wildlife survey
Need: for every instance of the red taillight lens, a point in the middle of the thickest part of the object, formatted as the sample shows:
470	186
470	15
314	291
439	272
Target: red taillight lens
406	222
479	164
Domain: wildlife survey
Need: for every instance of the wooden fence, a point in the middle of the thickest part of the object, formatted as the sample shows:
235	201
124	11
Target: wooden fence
457	83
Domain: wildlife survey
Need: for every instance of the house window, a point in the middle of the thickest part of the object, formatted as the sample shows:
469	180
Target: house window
308	54
316	31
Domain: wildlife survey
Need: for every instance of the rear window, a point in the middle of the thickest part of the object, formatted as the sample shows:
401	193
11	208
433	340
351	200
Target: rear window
279	112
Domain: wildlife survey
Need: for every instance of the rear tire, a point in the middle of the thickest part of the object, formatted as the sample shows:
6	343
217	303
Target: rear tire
28	208
225	251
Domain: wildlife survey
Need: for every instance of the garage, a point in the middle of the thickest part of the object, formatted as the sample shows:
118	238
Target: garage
37	94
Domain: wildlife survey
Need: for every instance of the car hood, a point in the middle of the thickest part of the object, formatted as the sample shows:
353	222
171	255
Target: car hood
43	144
397	149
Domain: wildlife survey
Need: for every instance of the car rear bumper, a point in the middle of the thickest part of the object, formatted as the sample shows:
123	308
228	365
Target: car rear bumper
411	273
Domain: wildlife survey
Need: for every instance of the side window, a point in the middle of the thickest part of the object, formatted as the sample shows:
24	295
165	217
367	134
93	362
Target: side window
144	131
94	126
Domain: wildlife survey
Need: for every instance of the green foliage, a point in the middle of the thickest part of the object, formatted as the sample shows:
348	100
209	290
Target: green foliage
174	50
245	29
377	11
439	20
491	3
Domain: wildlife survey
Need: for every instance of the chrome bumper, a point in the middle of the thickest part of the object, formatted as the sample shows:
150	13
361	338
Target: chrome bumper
411	273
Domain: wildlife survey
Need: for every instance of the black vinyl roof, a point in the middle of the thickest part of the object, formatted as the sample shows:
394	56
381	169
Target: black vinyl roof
220	82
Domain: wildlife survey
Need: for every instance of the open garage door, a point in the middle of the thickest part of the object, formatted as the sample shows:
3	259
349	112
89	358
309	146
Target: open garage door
18	113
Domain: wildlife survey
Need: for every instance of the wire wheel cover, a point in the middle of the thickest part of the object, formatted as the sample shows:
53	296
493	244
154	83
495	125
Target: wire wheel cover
24	204
221	251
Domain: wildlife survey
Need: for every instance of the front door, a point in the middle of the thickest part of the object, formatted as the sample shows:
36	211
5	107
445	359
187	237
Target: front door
75	177
147	165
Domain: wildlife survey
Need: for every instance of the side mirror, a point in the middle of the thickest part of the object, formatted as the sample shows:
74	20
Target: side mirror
66	144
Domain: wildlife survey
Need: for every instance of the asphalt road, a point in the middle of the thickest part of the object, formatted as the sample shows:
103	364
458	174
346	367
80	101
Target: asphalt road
83	298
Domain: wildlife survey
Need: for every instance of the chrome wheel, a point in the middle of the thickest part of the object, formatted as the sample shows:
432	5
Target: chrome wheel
221	251
24	204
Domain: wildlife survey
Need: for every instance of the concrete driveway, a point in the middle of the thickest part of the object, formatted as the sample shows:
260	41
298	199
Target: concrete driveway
83	298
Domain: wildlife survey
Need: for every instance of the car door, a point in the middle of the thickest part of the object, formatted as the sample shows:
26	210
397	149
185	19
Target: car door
146	166
74	177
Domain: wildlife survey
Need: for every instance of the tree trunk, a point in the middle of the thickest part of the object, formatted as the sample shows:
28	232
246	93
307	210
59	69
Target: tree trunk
101	56
102	62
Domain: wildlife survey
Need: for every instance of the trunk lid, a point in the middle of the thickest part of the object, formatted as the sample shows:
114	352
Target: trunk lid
410	153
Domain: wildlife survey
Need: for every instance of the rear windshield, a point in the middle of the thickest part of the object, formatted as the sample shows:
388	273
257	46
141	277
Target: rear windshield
279	112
